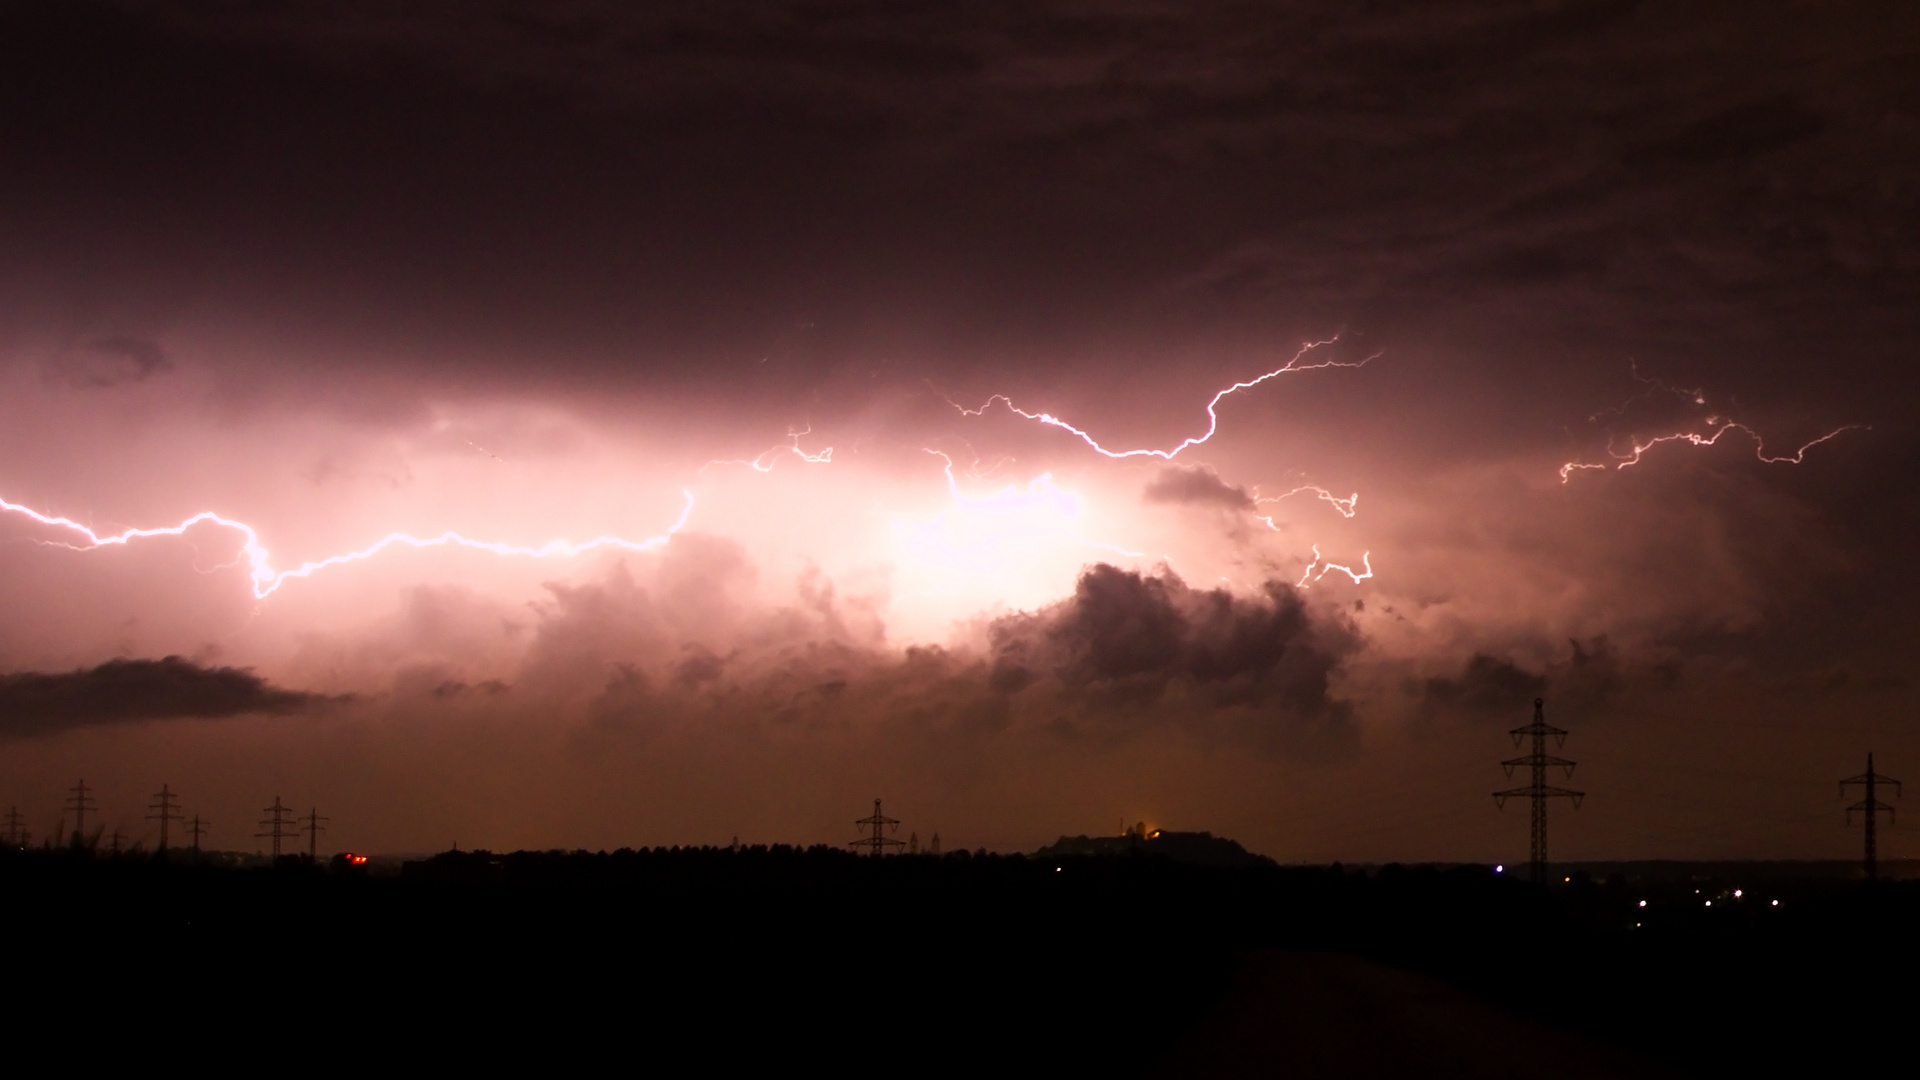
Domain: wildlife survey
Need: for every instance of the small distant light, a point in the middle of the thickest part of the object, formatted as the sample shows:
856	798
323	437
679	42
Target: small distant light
1776	903
1636	924
1643	903
1736	894
1709	903
1500	869
1566	879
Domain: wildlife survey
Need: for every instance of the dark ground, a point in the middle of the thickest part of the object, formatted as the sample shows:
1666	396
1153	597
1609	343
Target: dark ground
1105	966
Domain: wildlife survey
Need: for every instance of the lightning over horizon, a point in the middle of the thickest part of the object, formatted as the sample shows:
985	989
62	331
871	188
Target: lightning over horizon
1719	424
266	580
1213	418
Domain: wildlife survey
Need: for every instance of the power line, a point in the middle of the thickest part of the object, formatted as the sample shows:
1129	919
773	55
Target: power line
1538	791
876	841
1869	808
166	809
278	824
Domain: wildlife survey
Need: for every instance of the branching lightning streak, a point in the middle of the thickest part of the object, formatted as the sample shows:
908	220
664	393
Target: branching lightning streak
1719	424
1345	506
266	580
1213	418
1695	438
764	461
1308	577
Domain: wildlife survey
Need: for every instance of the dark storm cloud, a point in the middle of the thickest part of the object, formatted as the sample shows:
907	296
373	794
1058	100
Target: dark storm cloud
823	184
1196	485
127	691
1593	673
112	361
1487	682
1126	635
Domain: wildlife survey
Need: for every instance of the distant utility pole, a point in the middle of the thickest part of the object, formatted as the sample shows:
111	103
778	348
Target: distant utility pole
877	842
17	836
1538	791
1870	806
197	827
80	802
314	829
279	825
165	809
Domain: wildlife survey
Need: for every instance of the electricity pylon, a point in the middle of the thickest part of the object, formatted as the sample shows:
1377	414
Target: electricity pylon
313	830
1869	807
277	823
876	841
80	802
1538	791
165	809
198	827
17	835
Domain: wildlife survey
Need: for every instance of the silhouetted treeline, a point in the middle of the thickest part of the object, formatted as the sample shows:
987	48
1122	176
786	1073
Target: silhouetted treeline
1698	976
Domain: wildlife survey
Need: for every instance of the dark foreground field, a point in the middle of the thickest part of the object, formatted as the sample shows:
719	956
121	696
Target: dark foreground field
715	961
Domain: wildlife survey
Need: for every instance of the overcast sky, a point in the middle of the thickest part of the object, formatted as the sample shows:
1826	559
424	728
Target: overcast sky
880	345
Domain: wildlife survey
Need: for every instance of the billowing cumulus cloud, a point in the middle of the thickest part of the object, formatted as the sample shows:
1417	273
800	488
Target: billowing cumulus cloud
1130	639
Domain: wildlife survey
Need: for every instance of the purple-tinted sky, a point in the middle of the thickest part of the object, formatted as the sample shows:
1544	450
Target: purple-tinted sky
776	293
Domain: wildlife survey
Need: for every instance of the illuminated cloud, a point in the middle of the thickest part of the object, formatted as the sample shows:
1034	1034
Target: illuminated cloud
1196	485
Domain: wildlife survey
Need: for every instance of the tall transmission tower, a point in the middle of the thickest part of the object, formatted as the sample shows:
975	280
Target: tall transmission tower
1869	807
198	827
876	841
1538	791
165	809
79	801
313	830
279	825
17	836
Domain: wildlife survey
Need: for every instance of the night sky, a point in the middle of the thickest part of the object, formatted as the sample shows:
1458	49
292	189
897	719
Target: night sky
849	327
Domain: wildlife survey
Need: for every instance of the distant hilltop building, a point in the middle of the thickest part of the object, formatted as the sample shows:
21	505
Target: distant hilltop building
1199	848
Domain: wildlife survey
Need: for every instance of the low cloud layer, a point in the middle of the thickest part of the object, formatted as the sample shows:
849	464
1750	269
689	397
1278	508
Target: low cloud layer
129	691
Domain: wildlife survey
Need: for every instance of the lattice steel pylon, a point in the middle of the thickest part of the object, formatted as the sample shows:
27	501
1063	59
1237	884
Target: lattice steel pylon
165	809
876	841
313	828
80	800
1538	792
279	825
1869	808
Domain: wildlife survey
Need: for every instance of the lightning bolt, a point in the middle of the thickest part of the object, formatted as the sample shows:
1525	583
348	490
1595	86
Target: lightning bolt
1694	438
764	462
1308	577
1718	424
1213	417
1344	506
266	580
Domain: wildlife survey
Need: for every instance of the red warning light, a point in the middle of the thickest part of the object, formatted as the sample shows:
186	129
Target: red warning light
356	860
